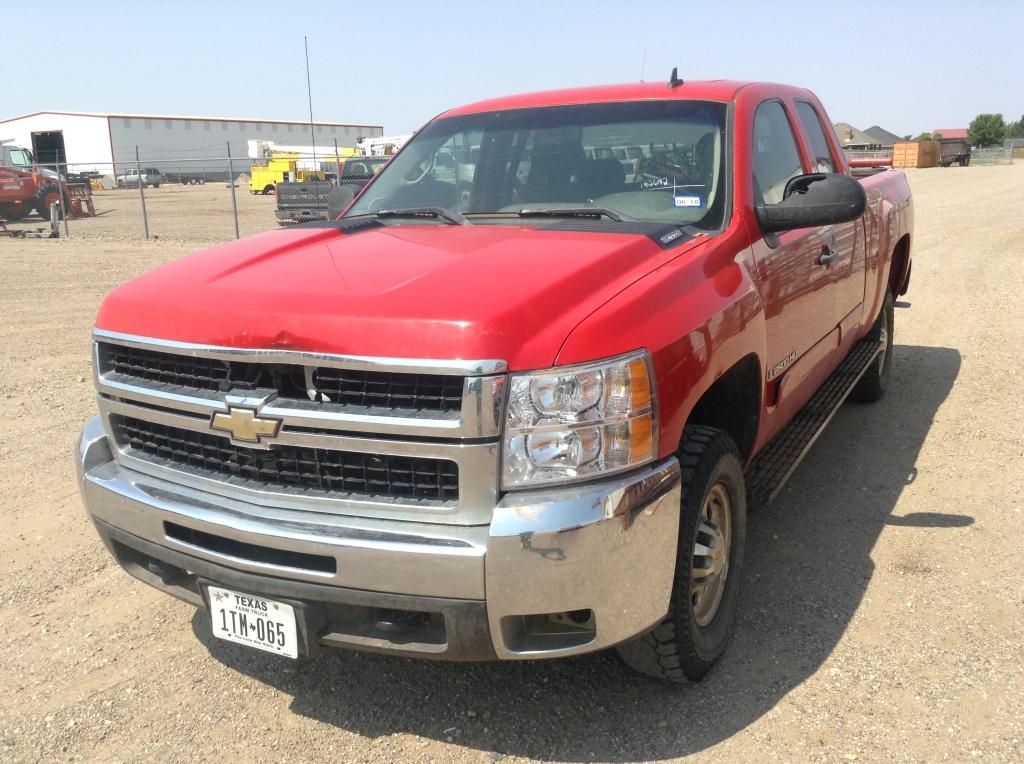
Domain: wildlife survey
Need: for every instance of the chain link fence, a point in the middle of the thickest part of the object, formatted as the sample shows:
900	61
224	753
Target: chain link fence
208	199
995	155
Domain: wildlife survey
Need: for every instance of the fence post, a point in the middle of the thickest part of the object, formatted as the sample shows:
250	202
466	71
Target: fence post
231	182
65	207
142	195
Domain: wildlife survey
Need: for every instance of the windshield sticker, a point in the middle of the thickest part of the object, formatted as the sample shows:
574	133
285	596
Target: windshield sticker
687	201
655	183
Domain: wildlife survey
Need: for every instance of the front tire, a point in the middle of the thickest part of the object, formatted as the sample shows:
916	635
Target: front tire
875	381
46	196
712	535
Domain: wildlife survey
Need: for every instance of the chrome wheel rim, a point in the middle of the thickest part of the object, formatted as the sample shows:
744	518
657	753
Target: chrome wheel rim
711	547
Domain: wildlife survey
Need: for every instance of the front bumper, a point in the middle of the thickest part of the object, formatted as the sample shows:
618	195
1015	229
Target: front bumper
557	572
300	215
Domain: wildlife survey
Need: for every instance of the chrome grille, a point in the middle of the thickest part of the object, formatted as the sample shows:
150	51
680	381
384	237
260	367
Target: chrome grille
397	438
383	390
323	470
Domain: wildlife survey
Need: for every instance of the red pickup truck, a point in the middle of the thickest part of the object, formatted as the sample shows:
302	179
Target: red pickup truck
512	407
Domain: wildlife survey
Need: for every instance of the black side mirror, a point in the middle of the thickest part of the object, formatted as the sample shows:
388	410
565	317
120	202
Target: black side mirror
812	200
338	200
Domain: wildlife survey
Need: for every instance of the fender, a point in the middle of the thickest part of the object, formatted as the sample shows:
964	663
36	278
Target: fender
698	316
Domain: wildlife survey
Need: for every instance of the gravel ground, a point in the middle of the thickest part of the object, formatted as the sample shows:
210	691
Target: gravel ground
881	618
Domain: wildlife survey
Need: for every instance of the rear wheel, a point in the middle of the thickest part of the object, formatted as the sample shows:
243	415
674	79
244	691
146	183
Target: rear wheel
712	534
873	384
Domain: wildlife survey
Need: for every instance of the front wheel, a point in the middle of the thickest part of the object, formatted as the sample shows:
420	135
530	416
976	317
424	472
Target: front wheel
712	534
48	195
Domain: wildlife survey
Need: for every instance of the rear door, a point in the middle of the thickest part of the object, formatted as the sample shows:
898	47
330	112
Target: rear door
796	289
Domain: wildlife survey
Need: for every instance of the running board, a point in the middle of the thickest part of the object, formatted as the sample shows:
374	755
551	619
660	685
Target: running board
770	470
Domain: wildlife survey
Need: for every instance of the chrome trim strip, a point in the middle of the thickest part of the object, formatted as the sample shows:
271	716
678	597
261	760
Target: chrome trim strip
477	462
356	362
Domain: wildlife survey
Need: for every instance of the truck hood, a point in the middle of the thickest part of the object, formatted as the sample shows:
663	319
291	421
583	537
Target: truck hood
406	291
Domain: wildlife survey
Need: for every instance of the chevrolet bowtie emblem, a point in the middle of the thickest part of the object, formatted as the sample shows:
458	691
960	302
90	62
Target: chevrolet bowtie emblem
244	425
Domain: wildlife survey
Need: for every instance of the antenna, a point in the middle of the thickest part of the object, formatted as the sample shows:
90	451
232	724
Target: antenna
309	93
643	64
673	80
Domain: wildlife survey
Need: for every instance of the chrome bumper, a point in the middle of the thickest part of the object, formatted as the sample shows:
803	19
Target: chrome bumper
557	572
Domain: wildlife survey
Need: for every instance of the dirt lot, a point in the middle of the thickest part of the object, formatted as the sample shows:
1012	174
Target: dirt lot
883	605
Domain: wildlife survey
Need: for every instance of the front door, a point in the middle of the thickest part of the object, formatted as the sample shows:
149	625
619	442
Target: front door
843	244
797	286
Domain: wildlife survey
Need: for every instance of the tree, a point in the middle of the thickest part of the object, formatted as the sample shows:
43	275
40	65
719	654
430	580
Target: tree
987	130
1015	129
929	137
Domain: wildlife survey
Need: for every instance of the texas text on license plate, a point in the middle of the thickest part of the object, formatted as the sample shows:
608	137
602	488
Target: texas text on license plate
253	621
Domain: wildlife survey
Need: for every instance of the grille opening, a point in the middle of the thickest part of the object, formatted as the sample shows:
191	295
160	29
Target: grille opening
373	390
433	392
250	552
317	469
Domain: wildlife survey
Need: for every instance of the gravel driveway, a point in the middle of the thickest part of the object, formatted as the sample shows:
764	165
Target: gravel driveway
881	618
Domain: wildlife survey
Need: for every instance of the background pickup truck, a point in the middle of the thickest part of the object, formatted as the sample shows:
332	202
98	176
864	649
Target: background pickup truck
523	419
299	202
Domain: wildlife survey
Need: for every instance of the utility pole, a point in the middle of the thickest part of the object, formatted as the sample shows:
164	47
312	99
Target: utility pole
309	93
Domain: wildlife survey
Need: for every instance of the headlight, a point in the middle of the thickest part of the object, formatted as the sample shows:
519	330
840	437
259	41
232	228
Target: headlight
579	422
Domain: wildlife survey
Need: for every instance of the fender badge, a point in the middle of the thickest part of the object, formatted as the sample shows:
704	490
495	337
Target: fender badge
781	366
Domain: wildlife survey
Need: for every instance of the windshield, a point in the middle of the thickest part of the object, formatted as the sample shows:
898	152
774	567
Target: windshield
20	158
658	161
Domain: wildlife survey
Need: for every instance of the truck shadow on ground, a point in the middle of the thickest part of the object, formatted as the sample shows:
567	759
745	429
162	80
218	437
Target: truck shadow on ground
808	566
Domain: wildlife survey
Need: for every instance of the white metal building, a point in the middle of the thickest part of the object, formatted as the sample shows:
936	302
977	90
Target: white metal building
103	142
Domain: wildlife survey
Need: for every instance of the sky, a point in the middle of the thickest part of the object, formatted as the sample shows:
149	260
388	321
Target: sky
909	67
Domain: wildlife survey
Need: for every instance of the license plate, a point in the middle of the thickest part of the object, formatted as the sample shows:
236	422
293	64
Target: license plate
253	621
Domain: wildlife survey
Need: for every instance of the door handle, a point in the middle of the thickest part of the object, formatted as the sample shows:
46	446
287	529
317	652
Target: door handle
828	246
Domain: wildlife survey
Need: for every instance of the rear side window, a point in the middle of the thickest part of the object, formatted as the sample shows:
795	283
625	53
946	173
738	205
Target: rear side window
776	158
812	126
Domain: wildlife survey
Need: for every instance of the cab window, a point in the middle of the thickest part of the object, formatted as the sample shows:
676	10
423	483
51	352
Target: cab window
822	158
776	157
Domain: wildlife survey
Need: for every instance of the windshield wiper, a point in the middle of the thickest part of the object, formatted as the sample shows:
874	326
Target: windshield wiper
440	213
575	212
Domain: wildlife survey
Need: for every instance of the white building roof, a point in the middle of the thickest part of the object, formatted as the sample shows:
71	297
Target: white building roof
116	115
